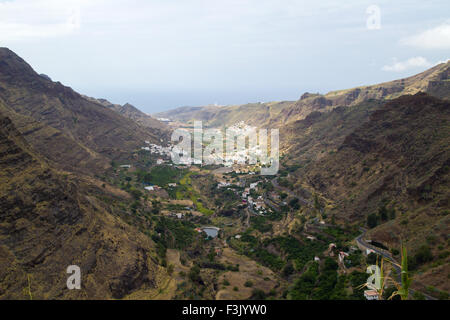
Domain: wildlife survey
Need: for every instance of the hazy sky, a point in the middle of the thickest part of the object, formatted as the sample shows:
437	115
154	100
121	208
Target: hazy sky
160	54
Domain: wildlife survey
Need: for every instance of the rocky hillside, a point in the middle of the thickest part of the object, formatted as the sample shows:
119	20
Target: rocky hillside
50	220
254	114
133	113
397	159
321	133
434	80
278	114
71	131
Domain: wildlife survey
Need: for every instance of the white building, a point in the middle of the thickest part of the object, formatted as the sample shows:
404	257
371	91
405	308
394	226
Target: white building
342	256
253	185
371	294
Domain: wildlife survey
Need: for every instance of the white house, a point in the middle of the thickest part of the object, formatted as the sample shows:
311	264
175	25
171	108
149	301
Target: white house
253	185
342	256
371	294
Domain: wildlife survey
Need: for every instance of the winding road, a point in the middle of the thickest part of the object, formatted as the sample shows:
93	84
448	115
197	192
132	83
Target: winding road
360	241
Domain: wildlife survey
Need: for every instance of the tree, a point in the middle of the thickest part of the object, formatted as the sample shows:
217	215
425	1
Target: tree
372	220
294	204
258	294
194	273
288	270
383	212
372	258
330	264
137	194
423	255
248	283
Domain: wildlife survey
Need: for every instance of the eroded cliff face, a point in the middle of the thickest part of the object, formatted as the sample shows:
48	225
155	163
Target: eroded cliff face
49	221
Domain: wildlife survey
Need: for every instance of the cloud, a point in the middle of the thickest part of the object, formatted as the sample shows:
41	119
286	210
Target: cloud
36	19
411	63
435	38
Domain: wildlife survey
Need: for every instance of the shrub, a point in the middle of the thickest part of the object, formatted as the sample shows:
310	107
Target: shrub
372	258
423	255
194	274
418	295
443	295
258	294
372	220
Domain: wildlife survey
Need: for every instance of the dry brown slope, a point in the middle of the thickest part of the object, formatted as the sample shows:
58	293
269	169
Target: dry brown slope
399	157
435	81
47	223
58	122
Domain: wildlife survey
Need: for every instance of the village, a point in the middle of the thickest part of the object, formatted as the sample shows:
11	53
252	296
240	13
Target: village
230	207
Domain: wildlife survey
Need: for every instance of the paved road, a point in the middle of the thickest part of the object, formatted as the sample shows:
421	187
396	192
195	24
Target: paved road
389	257
359	239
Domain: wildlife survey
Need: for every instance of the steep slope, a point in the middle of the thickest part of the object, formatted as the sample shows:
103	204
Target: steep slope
70	130
321	133
133	113
399	159
48	222
254	114
435	81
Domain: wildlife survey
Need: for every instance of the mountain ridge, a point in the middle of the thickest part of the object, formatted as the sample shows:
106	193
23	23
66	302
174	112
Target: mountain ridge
86	134
273	114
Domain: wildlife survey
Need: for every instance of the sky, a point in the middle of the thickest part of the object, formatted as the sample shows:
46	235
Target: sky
162	54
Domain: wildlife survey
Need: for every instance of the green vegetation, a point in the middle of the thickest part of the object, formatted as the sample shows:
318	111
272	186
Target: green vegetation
186	191
160	175
261	224
322	283
174	233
